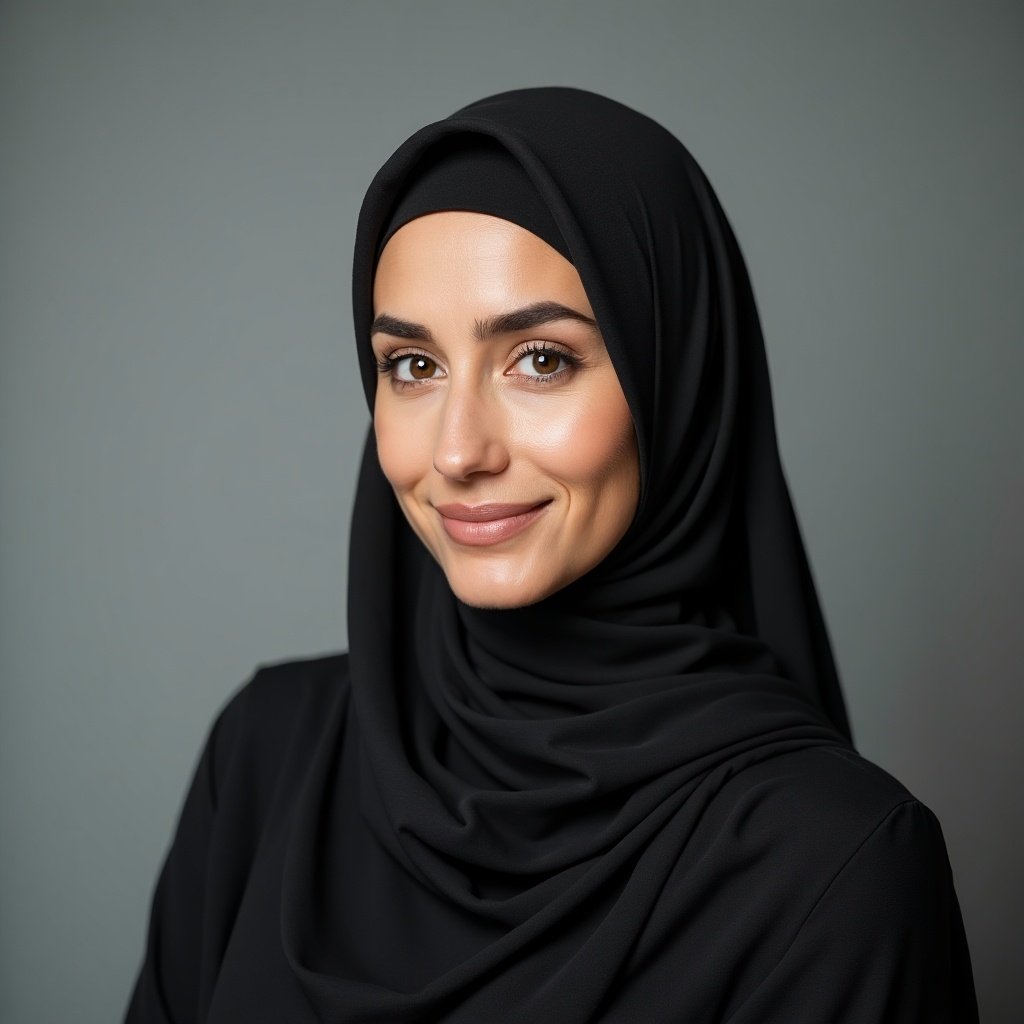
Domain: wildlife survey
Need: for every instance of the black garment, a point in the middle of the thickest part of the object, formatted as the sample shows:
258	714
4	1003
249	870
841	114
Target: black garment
811	888
633	801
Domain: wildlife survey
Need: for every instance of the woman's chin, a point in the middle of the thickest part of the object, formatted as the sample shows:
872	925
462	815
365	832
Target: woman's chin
498	591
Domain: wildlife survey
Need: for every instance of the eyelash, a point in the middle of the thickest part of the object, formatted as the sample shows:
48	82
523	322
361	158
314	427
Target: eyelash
386	363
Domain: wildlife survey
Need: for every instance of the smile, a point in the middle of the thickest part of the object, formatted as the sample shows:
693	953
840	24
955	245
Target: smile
480	525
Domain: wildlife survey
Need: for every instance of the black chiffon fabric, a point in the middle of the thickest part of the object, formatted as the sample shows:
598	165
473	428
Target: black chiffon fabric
635	800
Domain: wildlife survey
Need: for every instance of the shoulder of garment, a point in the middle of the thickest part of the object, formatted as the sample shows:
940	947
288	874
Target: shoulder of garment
858	868
275	717
248	771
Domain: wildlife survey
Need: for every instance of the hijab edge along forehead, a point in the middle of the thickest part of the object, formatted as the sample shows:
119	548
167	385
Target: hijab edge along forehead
475	173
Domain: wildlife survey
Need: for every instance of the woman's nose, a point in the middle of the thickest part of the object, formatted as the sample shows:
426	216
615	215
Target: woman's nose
470	435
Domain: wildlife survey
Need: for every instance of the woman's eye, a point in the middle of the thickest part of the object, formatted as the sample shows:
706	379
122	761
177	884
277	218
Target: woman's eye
414	367
542	363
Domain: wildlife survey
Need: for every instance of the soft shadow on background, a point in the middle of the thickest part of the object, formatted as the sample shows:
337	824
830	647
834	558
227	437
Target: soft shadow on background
180	414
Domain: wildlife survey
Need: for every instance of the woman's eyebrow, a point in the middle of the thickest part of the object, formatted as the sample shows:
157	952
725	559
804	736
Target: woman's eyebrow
522	319
527	317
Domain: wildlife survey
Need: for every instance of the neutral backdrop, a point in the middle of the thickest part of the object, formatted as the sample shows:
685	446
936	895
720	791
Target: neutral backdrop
180	414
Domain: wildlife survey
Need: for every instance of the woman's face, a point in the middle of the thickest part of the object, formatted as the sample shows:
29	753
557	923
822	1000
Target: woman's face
500	422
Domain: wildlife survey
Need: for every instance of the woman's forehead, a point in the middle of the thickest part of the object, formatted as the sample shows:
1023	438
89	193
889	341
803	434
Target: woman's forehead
479	258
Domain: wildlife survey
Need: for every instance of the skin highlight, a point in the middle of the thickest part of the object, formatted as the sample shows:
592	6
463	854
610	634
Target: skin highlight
507	439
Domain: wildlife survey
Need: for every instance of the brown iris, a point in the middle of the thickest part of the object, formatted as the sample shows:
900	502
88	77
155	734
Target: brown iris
421	368
545	362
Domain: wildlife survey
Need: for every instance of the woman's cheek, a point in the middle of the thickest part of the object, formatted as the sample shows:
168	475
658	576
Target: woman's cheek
581	440
547	425
401	448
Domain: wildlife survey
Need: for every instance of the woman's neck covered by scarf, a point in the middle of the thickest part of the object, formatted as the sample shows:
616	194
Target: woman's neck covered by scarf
532	766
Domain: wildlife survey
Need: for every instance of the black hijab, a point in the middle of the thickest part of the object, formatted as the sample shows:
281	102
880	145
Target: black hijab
531	778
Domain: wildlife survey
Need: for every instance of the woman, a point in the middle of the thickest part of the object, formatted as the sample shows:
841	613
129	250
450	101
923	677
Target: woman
587	758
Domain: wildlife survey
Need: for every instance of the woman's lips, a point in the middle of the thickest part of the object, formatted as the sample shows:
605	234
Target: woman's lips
479	525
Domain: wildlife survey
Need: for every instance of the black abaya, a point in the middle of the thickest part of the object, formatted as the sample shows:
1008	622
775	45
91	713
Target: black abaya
633	801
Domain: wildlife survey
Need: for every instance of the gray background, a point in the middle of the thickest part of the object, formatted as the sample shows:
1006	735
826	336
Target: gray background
180	414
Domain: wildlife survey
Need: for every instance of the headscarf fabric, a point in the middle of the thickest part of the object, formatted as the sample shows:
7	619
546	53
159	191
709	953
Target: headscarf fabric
529	779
